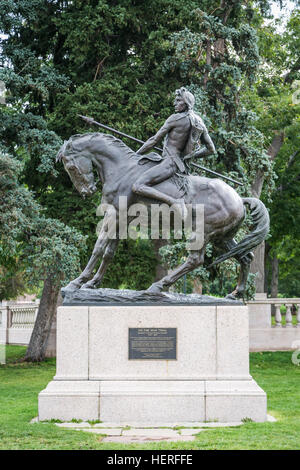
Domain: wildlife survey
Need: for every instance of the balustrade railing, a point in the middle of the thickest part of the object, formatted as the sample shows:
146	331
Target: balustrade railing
17	319
20	315
292	309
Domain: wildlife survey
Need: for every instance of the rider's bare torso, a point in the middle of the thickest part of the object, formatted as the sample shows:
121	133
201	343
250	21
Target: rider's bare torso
177	131
175	140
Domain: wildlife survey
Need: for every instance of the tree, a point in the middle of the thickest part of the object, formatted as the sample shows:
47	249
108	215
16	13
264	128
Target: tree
217	54
48	251
39	77
120	62
272	99
269	96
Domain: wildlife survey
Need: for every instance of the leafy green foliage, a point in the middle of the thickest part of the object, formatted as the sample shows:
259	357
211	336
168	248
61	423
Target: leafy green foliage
43	247
120	62
133	266
272	99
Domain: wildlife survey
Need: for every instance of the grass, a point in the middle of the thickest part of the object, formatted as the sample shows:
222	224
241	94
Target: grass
20	384
283	320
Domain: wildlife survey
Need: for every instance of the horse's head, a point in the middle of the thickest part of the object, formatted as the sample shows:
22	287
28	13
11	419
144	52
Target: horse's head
78	164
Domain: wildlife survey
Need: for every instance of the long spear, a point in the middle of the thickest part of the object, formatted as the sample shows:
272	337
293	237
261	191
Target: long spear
92	121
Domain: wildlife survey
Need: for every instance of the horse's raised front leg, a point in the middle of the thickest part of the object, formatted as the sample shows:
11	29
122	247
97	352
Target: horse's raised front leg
195	259
107	257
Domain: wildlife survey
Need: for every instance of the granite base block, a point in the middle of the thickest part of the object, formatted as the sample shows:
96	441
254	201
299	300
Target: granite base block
151	402
208	381
67	400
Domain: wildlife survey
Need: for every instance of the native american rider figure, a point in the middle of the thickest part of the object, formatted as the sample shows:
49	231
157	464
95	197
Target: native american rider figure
182	132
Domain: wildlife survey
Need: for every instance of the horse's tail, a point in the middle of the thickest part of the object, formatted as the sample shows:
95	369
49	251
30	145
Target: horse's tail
61	151
261	222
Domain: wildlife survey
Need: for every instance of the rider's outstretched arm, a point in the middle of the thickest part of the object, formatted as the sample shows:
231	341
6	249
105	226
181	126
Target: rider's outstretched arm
150	143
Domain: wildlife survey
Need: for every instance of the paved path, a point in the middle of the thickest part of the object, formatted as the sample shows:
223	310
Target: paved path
126	434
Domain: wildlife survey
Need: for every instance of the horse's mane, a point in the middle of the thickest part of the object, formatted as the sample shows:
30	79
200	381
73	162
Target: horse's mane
78	141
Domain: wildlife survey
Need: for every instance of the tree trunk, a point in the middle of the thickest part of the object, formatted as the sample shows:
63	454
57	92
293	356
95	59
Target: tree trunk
267	260
208	62
274	281
51	343
197	287
161	270
47	309
258	266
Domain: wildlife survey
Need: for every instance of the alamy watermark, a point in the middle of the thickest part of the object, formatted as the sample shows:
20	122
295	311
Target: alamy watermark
153	222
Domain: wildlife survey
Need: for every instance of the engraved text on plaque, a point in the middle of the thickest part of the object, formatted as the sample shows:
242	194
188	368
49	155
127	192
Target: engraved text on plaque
152	343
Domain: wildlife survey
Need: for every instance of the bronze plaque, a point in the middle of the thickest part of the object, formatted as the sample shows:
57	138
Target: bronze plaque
152	343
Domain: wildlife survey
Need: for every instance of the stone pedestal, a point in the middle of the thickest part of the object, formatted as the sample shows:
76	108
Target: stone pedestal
208	381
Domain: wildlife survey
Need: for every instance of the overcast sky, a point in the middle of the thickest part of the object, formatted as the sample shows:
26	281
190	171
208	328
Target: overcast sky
277	12
283	13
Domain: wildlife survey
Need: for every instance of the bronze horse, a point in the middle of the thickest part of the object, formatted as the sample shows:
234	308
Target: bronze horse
118	167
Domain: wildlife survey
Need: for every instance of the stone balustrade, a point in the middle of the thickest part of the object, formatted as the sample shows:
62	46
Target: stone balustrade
22	317
284	334
289	304
17	321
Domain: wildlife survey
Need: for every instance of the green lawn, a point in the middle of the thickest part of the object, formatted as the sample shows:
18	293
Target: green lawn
20	384
283	320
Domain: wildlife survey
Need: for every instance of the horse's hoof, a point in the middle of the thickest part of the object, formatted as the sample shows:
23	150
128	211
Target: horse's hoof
230	297
88	285
154	289
72	285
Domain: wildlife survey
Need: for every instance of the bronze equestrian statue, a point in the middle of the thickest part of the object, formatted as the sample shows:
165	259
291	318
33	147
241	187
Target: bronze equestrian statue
123	172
